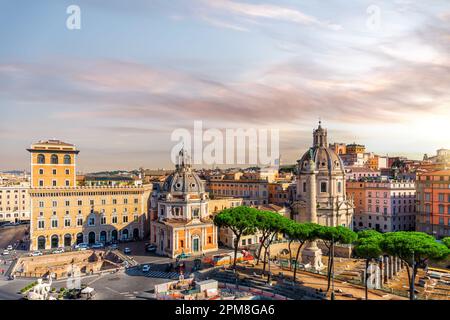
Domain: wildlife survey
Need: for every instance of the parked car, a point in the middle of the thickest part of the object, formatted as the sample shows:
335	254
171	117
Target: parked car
183	256
9	247
36	253
5	252
81	246
98	245
146	268
127	250
114	246
59	250
150	248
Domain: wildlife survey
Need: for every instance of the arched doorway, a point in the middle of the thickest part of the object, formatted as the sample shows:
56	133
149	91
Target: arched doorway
55	241
195	244
41	243
67	240
135	233
114	235
80	238
103	236
125	234
91	237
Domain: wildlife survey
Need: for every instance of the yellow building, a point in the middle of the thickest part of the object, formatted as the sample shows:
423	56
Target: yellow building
63	214
181	222
53	164
355	148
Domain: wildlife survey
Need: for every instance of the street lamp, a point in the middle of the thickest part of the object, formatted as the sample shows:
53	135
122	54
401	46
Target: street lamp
332	268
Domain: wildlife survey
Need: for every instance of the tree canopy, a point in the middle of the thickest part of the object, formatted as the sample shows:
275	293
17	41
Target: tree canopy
446	241
368	244
239	219
404	243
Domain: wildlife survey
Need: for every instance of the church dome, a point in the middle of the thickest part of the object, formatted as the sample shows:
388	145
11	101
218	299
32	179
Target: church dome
324	158
184	179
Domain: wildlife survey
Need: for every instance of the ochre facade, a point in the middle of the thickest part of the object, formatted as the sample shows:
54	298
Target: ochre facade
63	215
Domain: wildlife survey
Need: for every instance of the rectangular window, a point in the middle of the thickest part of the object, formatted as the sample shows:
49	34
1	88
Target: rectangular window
41	183
91	222
79	221
323	187
54	171
125	219
67	171
67	222
41	224
114	219
54	223
80	202
67	183
54	183
103	220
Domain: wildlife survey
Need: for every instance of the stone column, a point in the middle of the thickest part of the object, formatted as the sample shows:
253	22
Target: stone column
312	254
391	267
381	267
394	266
386	269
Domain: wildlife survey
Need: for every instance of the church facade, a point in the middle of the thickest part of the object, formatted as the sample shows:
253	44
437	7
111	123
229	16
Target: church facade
180	221
326	168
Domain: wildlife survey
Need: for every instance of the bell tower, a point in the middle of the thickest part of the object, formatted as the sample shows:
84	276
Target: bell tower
320	137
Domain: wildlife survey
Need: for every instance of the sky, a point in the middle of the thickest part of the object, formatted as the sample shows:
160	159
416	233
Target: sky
375	73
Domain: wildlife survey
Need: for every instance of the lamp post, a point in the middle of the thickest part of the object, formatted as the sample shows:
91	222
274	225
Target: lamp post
332	268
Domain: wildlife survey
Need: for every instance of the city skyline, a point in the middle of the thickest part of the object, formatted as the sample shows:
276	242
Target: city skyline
118	87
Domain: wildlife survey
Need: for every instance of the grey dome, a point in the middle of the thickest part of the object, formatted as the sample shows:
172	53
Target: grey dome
325	159
183	180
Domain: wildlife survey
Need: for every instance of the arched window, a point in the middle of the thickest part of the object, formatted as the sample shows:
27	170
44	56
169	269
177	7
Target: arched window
91	237
67	240
41	243
54	159
55	241
40	158
67	159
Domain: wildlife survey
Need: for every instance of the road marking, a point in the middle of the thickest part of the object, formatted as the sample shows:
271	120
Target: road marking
117	292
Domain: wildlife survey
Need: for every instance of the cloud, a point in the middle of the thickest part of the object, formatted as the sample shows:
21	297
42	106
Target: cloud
268	11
